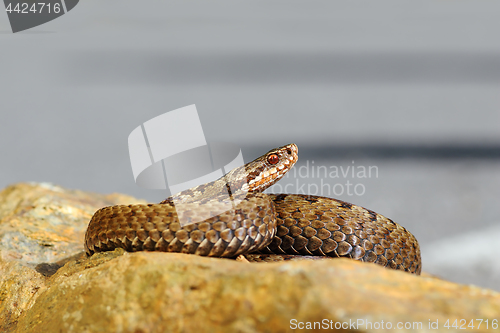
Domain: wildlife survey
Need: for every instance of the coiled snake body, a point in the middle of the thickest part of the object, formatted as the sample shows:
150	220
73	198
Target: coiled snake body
267	223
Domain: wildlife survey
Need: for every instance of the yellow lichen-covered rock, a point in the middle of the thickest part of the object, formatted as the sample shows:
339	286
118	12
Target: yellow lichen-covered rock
39	223
44	222
167	292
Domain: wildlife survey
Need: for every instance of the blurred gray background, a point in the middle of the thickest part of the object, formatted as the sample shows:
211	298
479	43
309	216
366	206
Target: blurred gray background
412	88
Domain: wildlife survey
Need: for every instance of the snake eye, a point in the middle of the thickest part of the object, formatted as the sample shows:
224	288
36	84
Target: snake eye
273	158
289	151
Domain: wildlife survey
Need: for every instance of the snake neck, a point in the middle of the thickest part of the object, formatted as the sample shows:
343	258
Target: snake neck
253	177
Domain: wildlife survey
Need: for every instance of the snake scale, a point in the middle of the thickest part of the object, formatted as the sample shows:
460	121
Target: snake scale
283	224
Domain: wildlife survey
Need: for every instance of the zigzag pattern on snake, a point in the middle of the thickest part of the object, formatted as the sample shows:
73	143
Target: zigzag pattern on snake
242	219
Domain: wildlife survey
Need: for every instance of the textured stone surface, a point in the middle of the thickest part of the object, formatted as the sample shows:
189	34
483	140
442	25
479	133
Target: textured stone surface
45	222
168	292
39	223
160	292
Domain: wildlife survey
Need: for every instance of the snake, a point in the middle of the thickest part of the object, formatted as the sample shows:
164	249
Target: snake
231	216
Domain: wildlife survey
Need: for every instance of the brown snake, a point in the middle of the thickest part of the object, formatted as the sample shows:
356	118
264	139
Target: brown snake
265	223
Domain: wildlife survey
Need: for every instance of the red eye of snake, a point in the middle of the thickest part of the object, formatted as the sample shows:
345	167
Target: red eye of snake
273	159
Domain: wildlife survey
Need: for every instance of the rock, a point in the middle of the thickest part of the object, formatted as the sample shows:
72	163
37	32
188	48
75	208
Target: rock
45	223
39	223
164	292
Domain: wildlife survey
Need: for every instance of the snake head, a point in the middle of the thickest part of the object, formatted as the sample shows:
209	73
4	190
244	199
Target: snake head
266	170
253	177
